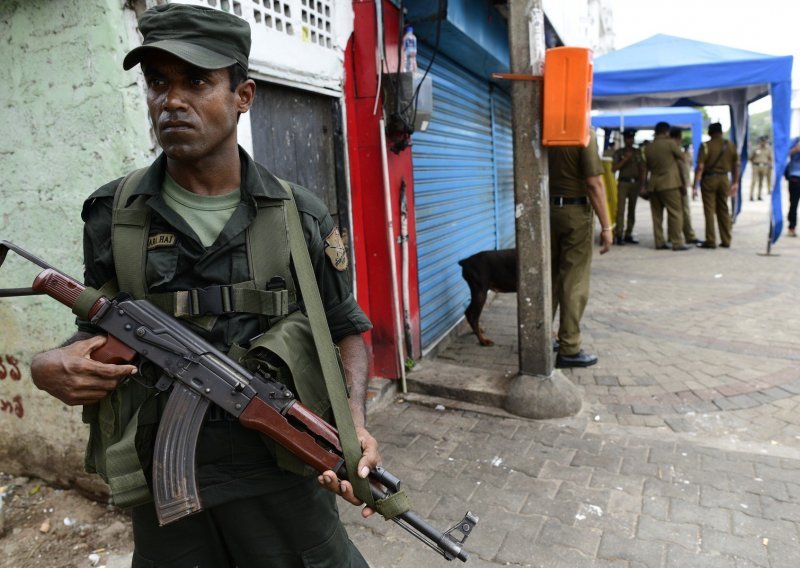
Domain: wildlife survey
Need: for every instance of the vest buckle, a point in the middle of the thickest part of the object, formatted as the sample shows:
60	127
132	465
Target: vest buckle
211	300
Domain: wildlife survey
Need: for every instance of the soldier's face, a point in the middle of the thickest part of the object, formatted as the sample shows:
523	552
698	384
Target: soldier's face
193	110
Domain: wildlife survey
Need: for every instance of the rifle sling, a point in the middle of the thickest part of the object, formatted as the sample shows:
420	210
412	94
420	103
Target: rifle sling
331	369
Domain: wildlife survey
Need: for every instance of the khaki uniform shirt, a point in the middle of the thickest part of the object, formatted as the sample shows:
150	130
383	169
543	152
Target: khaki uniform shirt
633	168
761	156
662	157
570	166
713	148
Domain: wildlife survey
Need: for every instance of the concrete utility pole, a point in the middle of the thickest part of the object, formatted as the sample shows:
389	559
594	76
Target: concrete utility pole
538	391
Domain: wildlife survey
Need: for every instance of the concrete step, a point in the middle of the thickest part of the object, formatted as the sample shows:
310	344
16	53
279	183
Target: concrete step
466	384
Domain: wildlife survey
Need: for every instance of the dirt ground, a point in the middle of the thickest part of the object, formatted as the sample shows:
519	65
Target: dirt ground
48	527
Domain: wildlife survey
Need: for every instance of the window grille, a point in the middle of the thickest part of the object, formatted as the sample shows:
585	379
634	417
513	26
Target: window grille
310	21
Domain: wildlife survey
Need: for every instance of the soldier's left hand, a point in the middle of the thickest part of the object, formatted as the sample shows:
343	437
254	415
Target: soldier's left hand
370	457
734	188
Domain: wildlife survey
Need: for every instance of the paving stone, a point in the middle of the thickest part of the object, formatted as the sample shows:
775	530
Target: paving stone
585	540
638	552
679	556
746	547
734	501
774	530
681	534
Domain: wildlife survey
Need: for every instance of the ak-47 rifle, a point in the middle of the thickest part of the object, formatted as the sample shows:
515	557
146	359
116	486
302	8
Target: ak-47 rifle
199	375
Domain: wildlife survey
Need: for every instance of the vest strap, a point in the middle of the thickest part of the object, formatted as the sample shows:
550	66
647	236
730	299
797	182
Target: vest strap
129	235
217	300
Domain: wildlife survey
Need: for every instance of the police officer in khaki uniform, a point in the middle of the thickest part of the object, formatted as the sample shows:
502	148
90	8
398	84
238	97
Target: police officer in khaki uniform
717	160
202	194
576	190
629	164
761	158
663	158
676	134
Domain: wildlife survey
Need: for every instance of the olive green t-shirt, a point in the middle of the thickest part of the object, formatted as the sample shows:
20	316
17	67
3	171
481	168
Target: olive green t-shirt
205	214
570	166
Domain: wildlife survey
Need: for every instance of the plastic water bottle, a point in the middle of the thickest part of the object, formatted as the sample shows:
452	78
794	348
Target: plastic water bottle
409	50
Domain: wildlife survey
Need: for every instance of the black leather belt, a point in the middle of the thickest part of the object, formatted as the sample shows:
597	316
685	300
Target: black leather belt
629	179
712	174
561	201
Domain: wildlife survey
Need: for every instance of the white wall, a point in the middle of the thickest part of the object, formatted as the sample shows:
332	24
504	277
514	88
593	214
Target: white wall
582	23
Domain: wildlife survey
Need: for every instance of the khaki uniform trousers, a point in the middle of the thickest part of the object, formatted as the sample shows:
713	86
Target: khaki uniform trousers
761	174
716	191
671	200
626	192
688	230
571	230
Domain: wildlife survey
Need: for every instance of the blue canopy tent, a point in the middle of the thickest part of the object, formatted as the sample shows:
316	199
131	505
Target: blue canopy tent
672	71
685	117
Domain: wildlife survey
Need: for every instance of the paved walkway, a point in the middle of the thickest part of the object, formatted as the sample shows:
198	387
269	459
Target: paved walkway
705	342
687	450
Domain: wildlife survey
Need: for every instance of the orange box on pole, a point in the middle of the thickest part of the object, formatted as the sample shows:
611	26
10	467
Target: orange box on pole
567	96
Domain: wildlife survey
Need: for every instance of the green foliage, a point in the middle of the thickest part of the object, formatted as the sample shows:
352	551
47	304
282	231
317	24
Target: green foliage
760	125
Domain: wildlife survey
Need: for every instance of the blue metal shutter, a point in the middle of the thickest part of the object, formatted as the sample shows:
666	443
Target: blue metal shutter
502	137
454	191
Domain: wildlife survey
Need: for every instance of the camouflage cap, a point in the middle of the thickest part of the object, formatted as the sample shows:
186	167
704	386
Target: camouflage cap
205	37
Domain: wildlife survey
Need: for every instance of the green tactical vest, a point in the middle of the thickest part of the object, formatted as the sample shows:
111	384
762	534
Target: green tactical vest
119	441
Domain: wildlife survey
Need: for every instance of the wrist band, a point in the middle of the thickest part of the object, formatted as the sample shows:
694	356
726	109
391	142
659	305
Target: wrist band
606	228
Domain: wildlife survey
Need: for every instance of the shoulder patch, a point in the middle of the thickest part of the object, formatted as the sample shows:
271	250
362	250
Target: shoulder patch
161	240
336	251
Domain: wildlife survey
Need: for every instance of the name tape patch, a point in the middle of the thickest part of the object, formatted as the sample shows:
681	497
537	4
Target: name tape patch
161	240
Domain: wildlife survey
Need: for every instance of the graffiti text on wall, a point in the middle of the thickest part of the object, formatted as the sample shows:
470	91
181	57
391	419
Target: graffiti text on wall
13	406
9	369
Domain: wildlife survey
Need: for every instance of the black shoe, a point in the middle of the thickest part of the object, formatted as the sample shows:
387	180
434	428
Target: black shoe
693	241
631	239
705	245
723	245
580	359
760	199
618	241
663	247
679	248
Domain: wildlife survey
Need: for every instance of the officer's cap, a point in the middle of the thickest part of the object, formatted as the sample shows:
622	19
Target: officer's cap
205	37
628	133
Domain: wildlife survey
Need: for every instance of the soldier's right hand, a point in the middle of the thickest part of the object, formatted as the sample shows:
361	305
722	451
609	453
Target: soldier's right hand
72	376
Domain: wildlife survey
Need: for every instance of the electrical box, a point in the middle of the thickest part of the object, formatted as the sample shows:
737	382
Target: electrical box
408	101
567	100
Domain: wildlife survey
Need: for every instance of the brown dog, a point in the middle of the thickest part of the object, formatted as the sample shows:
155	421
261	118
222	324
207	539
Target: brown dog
494	270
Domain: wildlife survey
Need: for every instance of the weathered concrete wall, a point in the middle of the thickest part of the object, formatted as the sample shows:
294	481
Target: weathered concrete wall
72	120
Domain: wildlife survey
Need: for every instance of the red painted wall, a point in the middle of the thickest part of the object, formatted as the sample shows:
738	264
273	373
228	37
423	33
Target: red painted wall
370	223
